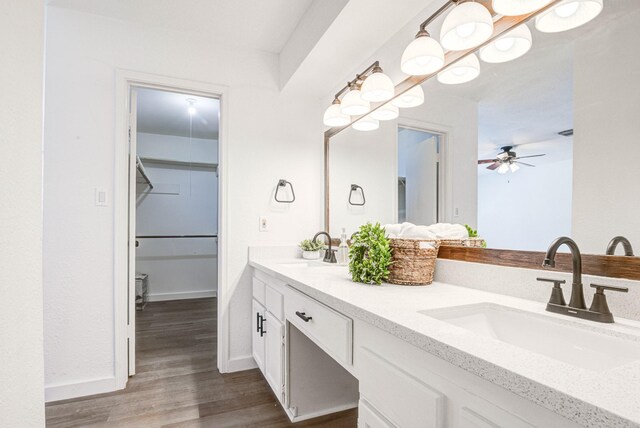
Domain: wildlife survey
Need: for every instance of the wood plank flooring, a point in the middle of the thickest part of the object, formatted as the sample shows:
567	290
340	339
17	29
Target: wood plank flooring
178	385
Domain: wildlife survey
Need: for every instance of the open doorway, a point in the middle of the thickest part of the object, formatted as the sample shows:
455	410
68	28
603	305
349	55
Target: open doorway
173	215
419	176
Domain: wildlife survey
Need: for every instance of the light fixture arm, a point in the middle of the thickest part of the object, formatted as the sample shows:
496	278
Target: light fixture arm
375	67
423	27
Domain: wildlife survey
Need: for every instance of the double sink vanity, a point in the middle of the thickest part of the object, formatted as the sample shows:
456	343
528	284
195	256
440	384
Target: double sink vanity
442	355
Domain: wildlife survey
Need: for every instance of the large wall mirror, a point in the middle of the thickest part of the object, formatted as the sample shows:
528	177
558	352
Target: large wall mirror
532	149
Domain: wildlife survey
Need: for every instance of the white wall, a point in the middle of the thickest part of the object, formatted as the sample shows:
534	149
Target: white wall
271	136
184	201
525	210
21	76
367	159
607	129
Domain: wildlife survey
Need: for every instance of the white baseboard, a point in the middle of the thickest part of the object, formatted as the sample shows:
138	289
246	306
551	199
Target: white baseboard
65	391
241	363
160	297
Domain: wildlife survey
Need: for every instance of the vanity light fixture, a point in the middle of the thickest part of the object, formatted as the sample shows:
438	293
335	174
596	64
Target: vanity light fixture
508	47
463	71
352	103
334	117
467	26
367	123
518	7
423	55
567	15
377	87
412	98
386	112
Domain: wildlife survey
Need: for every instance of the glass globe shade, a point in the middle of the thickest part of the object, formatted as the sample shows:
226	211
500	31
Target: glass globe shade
503	168
385	112
467	25
352	104
518	7
412	98
367	123
377	87
509	46
423	55
463	71
568	15
334	117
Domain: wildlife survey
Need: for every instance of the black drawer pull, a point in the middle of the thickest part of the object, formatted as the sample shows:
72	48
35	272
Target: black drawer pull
304	316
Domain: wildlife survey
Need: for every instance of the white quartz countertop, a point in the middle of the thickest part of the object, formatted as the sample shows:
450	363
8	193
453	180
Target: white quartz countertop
607	398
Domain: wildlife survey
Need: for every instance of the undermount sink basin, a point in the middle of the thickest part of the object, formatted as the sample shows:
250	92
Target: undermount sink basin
564	341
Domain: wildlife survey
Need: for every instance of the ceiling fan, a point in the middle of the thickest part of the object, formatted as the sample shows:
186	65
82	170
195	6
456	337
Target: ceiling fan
507	161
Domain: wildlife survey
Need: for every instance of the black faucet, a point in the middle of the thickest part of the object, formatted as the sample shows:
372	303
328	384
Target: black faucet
626	245
577	294
599	310
329	254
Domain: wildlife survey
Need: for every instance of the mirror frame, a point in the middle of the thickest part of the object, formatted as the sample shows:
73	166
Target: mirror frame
600	265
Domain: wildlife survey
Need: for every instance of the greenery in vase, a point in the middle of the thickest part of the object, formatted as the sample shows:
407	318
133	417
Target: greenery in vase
309	245
370	255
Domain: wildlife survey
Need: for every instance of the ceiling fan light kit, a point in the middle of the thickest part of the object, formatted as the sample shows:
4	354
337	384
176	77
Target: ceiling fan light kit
467	25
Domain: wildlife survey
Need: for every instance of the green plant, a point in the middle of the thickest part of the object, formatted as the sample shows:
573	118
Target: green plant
370	255
309	245
472	232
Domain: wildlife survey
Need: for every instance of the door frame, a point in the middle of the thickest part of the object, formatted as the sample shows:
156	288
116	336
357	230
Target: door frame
125	80
445	173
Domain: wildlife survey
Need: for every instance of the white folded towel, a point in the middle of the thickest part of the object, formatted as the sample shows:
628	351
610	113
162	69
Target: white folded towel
417	232
408	230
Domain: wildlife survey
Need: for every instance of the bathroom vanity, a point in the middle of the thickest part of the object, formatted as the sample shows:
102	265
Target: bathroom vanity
435	356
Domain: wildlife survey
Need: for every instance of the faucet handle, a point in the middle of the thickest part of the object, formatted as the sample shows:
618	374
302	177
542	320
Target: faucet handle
599	303
557	298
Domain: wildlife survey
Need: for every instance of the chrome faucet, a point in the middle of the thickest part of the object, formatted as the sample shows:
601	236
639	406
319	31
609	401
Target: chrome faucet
626	245
599	310
329	254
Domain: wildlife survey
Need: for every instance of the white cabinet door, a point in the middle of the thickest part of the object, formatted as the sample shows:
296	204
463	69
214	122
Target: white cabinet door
258	334
369	418
274	354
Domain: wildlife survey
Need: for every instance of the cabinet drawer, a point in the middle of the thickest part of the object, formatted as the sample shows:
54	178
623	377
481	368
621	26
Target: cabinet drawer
274	302
329	329
259	290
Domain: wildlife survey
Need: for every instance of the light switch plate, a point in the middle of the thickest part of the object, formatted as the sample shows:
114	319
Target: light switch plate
101	198
264	224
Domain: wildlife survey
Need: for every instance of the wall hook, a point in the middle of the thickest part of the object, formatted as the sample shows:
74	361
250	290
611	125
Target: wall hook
354	188
283	183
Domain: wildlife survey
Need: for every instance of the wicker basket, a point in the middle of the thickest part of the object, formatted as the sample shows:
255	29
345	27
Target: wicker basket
466	242
413	261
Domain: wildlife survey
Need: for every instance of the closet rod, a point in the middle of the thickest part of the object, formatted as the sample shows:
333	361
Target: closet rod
175	236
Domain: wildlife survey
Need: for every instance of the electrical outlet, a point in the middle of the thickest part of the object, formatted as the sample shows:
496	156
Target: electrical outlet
264	225
456	213
101	198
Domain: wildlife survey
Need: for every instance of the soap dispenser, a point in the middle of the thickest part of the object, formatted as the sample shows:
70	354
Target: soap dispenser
343	249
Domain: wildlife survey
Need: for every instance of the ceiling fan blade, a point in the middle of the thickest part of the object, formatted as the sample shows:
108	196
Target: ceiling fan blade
481	161
525	164
530	156
493	166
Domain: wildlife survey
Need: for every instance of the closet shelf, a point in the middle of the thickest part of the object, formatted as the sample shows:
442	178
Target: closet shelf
141	174
209	165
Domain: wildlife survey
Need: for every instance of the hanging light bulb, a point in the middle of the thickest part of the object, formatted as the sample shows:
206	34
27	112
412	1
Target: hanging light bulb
367	123
463	71
191	109
334	117
467	25
509	46
377	87
503	168
568	15
352	103
518	7
423	55
514	167
412	98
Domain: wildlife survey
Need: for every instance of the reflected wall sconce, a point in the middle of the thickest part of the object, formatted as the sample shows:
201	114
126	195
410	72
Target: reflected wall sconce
282	184
354	189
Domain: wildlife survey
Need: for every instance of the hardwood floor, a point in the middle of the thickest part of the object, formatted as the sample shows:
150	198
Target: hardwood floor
177	383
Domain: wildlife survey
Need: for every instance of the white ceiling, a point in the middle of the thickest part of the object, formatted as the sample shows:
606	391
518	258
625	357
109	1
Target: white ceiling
163	112
256	25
